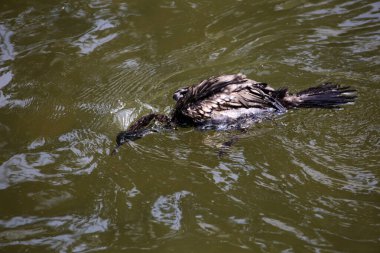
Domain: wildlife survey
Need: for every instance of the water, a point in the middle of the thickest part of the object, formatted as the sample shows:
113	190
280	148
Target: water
72	75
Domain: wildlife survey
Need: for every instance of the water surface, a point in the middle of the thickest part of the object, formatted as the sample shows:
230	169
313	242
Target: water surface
74	74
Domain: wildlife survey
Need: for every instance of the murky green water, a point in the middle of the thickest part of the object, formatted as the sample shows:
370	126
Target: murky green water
74	73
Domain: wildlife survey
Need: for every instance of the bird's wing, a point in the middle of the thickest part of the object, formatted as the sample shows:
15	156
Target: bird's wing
213	85
203	91
234	96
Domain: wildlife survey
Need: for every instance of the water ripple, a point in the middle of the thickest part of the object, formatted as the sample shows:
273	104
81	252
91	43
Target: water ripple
59	233
24	167
73	74
166	209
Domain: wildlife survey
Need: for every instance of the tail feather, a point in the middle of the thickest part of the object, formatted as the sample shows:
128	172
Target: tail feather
327	95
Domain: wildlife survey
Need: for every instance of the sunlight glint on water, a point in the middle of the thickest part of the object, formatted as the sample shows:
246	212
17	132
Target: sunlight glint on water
74	74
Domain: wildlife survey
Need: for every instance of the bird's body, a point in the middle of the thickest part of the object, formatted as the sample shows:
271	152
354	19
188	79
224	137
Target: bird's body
224	102
233	101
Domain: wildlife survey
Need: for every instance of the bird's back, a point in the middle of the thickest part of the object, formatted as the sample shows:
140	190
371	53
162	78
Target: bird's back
227	98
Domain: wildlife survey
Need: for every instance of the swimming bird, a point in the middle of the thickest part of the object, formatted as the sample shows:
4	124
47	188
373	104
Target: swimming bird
234	101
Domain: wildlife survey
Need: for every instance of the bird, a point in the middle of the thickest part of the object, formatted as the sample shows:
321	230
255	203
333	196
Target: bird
235	102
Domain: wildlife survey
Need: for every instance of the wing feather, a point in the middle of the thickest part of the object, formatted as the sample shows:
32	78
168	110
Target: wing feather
224	93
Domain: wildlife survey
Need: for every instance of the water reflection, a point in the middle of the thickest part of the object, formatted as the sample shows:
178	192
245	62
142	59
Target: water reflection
73	74
6	46
49	166
7	54
23	167
167	210
89	41
58	232
290	229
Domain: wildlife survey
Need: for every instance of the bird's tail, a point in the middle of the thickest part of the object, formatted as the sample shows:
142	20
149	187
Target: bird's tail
327	95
